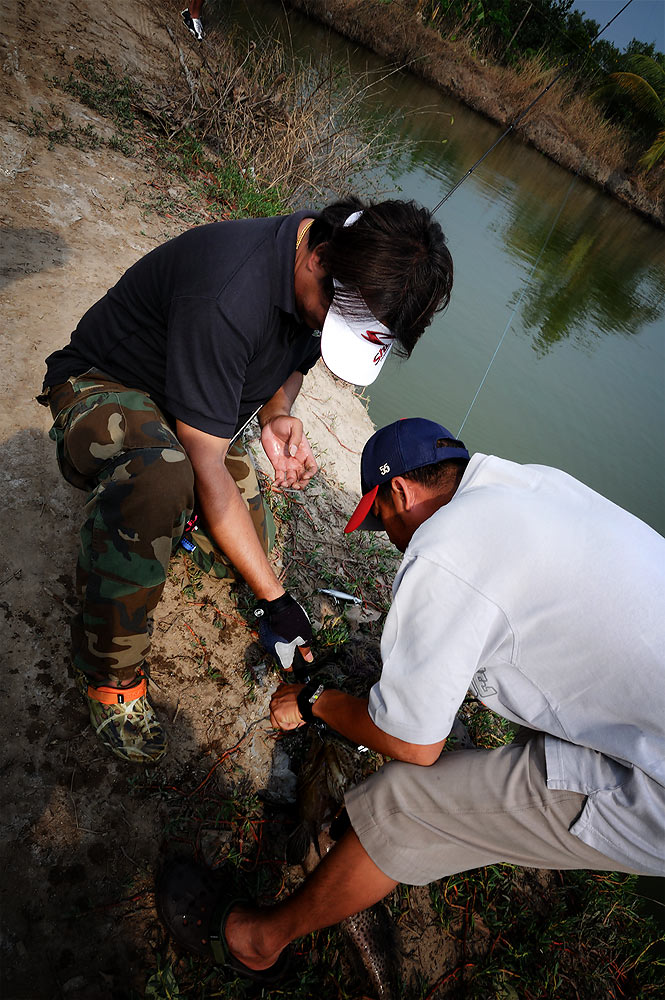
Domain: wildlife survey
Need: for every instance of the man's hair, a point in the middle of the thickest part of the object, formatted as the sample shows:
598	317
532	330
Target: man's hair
394	255
438	474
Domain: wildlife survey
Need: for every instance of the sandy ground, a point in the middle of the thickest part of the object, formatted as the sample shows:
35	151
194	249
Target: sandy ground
79	848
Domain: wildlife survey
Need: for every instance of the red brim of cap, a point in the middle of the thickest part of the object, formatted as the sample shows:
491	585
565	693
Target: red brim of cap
361	511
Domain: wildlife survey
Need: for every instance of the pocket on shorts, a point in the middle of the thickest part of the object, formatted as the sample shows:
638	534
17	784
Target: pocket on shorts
104	426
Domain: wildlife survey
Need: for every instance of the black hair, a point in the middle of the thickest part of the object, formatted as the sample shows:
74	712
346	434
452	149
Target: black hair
394	255
438	474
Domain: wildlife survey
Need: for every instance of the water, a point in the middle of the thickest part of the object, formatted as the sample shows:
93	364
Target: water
579	379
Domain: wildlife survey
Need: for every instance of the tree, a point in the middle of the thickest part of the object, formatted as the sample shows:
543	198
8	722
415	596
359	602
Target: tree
641	85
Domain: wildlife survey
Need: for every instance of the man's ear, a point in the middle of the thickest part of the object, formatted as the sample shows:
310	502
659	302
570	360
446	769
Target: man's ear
400	492
406	493
315	264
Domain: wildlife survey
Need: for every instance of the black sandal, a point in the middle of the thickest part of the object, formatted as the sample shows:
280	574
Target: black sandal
192	905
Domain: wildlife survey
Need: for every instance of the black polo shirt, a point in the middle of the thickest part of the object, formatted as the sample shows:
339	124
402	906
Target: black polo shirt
206	324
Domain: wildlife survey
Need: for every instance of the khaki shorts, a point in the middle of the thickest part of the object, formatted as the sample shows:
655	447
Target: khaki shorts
469	809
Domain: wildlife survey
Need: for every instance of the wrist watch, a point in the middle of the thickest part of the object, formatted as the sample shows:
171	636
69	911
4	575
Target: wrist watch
306	698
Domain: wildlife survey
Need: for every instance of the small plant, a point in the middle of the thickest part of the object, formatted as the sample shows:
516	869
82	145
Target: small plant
67	133
96	84
162	984
334	632
250	683
121	144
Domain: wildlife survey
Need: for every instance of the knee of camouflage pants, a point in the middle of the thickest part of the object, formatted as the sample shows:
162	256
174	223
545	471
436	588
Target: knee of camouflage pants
116	442
206	554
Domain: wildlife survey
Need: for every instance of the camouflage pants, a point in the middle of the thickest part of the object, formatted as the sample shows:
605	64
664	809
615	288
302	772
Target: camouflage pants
115	443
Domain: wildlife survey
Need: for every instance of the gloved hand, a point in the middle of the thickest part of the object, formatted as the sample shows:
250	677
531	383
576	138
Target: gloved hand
283	625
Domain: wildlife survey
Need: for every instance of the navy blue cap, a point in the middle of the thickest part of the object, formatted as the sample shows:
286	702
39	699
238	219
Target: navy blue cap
394	450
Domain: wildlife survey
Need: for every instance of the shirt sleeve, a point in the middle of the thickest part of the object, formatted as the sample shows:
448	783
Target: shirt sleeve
437	633
207	358
311	357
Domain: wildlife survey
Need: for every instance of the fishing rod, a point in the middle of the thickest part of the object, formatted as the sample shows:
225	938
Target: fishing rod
523	113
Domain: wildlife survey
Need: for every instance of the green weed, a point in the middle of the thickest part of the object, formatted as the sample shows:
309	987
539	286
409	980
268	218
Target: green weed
551	934
162	984
95	84
66	133
334	632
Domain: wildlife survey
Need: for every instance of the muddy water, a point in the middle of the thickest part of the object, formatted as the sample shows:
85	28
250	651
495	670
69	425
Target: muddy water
576	280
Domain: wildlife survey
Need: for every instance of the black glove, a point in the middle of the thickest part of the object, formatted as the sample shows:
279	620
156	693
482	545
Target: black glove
283	625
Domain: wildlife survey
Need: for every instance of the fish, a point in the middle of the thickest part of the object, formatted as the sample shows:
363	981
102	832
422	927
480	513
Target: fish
329	768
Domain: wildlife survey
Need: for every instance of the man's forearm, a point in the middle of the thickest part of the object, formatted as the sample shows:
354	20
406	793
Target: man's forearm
280	404
349	717
230	525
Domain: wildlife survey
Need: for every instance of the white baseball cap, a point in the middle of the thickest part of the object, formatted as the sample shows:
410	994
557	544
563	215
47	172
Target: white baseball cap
354	344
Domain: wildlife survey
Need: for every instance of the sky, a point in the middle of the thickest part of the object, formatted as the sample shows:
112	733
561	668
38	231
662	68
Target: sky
644	20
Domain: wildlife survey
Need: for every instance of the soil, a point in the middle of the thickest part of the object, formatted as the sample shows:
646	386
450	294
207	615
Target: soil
83	834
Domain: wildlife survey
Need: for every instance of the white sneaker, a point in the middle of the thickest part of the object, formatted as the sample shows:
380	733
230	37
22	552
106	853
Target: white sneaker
193	24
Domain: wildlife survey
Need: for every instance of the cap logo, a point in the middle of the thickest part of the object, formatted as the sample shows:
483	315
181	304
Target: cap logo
373	336
384	469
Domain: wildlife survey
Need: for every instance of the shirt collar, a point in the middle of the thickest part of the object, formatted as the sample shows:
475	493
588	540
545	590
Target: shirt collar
284	293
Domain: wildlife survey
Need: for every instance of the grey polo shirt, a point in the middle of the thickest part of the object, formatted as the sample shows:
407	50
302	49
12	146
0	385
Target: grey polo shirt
549	602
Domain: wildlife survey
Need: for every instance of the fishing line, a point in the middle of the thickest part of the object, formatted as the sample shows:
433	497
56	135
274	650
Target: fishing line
552	227
517	304
522	114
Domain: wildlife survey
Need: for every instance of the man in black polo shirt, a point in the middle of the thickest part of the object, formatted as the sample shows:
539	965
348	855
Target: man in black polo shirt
164	370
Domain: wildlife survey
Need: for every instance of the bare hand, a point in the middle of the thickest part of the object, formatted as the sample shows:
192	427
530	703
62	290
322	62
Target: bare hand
289	452
284	712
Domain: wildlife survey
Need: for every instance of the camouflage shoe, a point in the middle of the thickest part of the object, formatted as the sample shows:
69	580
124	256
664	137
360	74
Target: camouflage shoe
125	721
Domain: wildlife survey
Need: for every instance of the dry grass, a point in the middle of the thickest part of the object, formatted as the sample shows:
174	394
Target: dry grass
295	127
565	106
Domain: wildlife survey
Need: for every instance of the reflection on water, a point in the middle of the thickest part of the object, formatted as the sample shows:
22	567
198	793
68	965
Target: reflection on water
579	380
590	280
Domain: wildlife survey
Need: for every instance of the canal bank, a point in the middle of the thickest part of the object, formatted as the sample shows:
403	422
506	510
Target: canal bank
396	32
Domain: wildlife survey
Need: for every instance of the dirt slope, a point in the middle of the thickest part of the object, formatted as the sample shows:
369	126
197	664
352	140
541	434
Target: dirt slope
80	844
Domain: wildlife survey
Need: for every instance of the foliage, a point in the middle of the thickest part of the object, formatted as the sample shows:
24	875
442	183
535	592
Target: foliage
636	93
512	29
258	133
96	84
162	984
513	32
568	935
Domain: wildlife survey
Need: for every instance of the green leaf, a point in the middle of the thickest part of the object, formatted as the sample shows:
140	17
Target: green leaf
645	97
163	985
655	153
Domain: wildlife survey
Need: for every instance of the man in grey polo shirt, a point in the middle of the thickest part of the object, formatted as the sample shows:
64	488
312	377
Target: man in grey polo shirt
548	601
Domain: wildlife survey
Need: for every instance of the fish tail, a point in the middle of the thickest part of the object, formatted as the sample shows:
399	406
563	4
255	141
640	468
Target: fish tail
297	845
